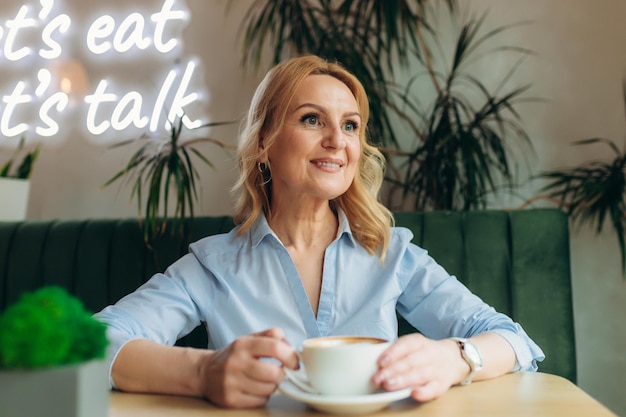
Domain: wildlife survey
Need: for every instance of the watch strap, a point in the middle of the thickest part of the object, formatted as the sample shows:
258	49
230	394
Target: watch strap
473	358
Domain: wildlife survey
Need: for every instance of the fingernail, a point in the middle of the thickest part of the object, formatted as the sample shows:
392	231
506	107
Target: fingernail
380	377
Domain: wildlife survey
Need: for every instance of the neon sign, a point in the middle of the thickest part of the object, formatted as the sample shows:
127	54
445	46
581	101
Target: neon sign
39	44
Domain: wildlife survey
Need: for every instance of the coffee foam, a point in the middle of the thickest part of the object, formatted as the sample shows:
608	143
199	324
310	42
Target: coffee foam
343	340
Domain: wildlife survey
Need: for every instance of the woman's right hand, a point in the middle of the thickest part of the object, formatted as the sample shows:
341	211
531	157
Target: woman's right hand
237	377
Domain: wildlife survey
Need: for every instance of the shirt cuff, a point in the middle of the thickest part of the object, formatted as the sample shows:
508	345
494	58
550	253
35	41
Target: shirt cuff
114	350
527	353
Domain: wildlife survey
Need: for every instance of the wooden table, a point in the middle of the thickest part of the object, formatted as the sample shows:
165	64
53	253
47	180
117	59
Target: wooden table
520	394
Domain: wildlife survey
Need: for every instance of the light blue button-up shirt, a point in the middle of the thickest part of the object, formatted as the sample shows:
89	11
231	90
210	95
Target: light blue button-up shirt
237	285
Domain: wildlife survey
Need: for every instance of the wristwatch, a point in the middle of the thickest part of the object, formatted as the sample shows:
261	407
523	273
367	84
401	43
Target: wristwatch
471	354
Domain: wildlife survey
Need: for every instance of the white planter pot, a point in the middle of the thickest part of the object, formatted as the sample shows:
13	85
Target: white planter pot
68	391
13	199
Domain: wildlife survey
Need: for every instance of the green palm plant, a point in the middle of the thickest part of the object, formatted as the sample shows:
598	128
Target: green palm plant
163	168
593	192
25	167
463	138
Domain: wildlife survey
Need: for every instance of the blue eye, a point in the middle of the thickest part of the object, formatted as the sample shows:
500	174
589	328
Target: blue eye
310	119
351	126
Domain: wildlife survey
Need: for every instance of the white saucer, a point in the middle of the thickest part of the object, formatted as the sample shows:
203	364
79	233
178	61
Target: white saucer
343	404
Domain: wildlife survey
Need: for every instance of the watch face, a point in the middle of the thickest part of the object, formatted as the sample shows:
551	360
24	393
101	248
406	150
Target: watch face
473	355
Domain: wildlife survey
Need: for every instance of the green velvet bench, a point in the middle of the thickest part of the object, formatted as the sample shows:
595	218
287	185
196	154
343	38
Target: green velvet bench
517	261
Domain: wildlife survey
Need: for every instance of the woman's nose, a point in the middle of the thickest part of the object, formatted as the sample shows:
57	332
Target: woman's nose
334	137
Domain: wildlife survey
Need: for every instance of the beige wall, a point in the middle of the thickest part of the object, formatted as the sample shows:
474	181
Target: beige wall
580	59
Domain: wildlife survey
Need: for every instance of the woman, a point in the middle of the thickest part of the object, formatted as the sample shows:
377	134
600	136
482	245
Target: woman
314	254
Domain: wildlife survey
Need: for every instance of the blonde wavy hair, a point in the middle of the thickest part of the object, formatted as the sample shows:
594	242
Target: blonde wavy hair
370	221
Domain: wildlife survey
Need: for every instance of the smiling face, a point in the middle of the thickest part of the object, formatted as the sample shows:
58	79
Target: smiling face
316	153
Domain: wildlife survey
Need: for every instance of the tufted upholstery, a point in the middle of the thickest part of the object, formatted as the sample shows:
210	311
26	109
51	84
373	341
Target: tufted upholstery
517	261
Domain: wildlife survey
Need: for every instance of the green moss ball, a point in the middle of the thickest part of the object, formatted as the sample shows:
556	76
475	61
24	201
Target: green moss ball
49	327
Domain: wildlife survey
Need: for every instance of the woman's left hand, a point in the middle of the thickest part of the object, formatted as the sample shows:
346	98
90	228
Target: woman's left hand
429	367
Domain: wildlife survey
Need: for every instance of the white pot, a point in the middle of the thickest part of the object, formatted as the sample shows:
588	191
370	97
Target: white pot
13	199
68	391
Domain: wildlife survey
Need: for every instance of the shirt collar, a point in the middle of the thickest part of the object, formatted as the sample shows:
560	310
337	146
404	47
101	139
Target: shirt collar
344	226
260	229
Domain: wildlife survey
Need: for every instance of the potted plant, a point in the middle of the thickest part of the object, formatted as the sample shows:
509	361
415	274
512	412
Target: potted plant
51	358
163	169
458	147
15	182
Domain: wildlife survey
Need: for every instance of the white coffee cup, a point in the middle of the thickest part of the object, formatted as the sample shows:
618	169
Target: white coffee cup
339	365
